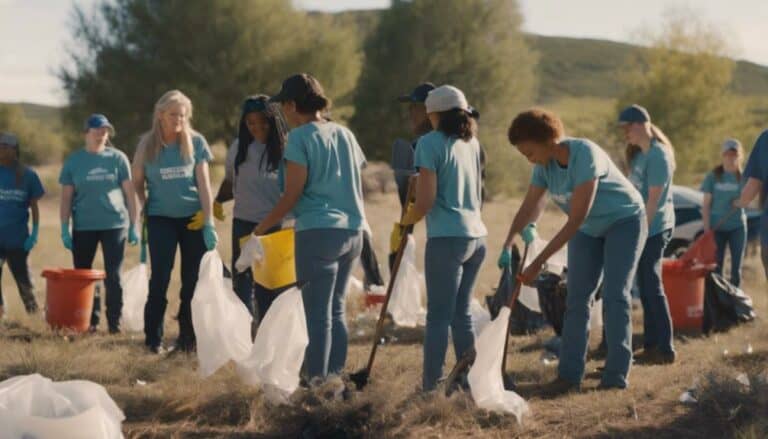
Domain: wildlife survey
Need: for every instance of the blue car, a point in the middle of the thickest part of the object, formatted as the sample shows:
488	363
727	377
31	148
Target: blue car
688	224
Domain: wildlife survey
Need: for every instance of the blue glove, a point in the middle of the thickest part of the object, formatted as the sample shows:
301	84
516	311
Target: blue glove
529	233
210	237
505	258
32	238
133	239
66	237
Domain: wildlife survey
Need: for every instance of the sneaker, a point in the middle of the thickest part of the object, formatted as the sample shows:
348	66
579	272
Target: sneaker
654	356
157	349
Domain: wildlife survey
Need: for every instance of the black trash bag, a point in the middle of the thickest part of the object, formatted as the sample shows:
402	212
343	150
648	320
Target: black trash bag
725	305
552	293
523	320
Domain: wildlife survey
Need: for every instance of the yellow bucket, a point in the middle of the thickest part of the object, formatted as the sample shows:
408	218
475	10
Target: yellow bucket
278	268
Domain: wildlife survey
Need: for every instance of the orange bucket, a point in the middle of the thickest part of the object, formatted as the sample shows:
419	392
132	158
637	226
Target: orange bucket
372	299
684	287
69	297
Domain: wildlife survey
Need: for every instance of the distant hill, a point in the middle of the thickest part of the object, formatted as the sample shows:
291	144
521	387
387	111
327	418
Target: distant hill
45	114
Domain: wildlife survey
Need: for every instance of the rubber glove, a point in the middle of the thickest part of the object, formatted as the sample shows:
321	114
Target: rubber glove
32	238
251	251
505	258
395	237
210	236
529	233
197	221
66	237
133	239
410	217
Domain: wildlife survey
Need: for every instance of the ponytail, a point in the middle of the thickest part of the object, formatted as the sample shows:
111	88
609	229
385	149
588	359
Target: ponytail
659	135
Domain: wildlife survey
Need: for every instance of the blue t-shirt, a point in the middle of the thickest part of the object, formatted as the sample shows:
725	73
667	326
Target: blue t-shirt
333	193
14	204
98	202
757	167
616	198
724	191
171	185
456	212
654	168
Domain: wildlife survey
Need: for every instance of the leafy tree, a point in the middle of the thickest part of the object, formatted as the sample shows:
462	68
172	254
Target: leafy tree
215	51
39	143
475	45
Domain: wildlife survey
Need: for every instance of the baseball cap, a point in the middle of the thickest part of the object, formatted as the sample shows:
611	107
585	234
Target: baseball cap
444	98
98	121
731	144
634	114
419	94
296	87
9	139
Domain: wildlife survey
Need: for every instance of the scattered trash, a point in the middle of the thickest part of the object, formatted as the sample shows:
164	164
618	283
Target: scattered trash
689	397
725	352
32	406
222	322
749	349
549	358
135	283
141	383
405	305
743	379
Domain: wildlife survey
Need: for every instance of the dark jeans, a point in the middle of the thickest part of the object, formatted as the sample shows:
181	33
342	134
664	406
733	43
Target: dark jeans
736	241
84	244
370	263
243	283
657	321
17	262
164	235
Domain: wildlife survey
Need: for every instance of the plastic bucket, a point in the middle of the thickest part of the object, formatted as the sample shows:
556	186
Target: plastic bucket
372	299
278	268
684	287
69	297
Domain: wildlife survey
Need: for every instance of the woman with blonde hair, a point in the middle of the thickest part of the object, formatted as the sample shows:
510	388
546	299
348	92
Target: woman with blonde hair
171	176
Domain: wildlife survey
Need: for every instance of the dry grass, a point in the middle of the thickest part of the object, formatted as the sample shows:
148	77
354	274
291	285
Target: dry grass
166	398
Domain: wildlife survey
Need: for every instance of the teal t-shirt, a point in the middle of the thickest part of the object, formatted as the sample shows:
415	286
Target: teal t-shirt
654	168
616	198
724	191
171	185
15	198
457	164
333	193
98	202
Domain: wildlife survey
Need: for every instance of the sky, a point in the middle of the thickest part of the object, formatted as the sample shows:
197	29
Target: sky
34	34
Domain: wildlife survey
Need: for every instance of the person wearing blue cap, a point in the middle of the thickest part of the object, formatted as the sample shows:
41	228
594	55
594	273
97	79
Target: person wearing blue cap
756	175
449	194
322	169
651	161
251	180
98	197
722	188
605	233
171	176
20	190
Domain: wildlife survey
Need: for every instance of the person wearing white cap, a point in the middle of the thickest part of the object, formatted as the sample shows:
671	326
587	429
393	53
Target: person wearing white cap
448	193
721	187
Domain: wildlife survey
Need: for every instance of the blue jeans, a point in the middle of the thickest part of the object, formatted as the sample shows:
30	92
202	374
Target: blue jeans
451	266
657	321
736	241
17	260
324	262
612	258
243	283
84	245
164	234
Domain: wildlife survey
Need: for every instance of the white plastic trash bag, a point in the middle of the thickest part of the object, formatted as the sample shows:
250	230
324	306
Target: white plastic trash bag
405	305
250	252
529	296
485	381
222	322
278	350
32	406
480	316
135	283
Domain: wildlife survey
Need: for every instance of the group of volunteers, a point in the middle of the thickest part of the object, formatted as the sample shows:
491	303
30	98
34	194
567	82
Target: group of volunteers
309	172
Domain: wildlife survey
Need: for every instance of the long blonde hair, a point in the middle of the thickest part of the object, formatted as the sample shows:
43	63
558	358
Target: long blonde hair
152	141
656	133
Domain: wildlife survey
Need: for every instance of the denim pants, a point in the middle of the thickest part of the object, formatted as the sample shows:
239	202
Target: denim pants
735	240
242	282
614	259
84	245
164	234
657	321
451	266
324	262
17	262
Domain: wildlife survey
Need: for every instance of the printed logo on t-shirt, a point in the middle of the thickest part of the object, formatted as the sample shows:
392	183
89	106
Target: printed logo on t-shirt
727	187
100	174
175	172
16	195
561	199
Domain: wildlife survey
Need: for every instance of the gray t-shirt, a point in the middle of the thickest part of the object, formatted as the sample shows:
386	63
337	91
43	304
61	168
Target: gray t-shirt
256	190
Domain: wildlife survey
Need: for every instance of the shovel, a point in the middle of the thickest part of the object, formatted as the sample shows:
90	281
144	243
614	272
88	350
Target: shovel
468	358
360	378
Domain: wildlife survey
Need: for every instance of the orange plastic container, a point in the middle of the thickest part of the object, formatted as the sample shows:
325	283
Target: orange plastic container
684	287
372	300
69	297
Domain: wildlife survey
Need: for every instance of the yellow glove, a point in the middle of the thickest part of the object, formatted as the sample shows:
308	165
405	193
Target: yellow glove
410	217
198	220
395	237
